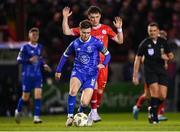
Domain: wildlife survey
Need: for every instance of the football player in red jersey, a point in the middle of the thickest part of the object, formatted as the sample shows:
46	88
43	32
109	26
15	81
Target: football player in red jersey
101	32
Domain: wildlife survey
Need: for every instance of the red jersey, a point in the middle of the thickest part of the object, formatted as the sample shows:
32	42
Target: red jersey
101	32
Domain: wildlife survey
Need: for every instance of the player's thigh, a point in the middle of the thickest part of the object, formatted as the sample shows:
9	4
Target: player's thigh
154	90
86	96
146	91
163	91
75	85
102	78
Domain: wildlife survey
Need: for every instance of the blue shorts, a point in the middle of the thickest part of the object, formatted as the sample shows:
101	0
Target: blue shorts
87	81
29	83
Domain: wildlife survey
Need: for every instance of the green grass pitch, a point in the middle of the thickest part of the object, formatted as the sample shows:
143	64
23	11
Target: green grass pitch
110	122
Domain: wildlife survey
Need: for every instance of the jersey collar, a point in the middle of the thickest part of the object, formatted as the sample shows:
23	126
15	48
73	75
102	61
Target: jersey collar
33	45
85	41
97	27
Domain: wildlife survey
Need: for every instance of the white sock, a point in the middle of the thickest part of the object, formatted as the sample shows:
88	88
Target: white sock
36	117
70	115
94	110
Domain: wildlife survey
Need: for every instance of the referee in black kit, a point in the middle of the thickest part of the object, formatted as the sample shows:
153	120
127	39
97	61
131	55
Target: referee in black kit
156	51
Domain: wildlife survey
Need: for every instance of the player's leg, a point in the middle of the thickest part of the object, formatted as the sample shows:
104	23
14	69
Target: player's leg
97	95
75	84
103	76
163	95
140	101
26	88
21	101
37	105
154	102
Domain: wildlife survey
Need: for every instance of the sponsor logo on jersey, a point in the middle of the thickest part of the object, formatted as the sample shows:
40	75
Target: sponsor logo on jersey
84	59
151	52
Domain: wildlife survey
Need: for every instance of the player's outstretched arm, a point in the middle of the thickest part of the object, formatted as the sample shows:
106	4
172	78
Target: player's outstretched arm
118	24
65	25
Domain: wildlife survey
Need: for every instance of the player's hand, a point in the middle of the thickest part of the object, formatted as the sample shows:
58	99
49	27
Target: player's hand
101	66
47	68
66	12
33	59
57	76
117	22
164	57
135	80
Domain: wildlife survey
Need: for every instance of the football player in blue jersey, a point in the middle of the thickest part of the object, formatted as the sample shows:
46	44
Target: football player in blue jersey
30	56
85	69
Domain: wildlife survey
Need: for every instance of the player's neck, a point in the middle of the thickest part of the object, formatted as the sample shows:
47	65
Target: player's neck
97	26
33	44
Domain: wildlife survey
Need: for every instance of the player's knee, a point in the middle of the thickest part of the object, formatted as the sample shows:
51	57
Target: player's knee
100	91
73	92
84	102
25	97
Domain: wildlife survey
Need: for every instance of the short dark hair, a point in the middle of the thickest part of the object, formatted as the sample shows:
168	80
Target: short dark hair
34	29
152	24
94	9
85	24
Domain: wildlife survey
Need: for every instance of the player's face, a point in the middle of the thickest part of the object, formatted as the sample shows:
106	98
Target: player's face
85	34
153	32
94	18
34	36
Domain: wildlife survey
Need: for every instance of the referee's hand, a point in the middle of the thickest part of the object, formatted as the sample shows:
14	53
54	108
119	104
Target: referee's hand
135	80
57	76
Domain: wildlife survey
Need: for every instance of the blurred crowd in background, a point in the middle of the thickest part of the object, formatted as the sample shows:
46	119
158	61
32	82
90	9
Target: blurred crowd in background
18	16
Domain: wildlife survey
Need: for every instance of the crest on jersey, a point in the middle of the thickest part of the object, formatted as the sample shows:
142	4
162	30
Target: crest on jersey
104	32
151	52
149	46
84	59
89	49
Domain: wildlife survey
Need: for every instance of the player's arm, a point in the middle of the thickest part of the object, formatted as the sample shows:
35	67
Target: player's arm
136	67
139	59
65	25
118	24
21	58
106	53
63	60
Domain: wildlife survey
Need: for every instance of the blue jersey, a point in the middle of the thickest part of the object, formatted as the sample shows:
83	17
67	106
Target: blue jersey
86	54
26	52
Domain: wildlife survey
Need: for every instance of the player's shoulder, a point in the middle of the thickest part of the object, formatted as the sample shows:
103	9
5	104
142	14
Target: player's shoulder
104	26
161	39
144	42
95	39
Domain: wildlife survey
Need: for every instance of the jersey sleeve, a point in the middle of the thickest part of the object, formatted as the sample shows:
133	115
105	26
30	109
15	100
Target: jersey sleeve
22	58
111	33
167	48
69	50
141	49
101	48
75	31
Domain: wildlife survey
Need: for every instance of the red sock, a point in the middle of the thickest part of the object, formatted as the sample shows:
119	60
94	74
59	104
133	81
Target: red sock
161	109
140	101
99	98
94	100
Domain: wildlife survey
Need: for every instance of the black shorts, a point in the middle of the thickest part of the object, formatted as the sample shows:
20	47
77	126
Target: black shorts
156	74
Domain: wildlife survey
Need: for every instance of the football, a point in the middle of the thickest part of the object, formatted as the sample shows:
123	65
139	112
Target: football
80	119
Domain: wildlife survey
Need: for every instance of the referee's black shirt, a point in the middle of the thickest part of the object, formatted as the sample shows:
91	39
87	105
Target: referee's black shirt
152	52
